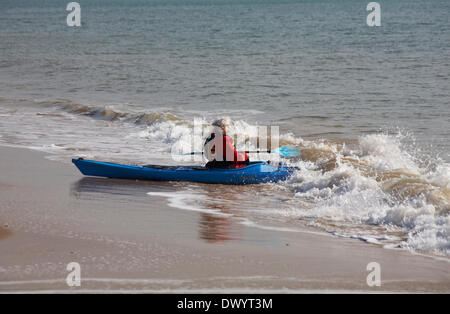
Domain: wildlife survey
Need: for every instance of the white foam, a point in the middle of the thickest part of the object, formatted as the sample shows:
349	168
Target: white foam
172	286
201	291
345	194
186	201
384	152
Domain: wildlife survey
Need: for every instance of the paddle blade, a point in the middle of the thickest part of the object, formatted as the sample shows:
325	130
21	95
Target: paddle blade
287	151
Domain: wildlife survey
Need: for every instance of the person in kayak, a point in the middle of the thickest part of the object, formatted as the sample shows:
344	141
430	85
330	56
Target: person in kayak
219	148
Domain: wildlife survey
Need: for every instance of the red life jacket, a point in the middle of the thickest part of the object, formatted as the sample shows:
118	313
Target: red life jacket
228	153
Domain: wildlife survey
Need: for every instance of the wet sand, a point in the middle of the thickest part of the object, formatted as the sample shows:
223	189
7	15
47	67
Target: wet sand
127	241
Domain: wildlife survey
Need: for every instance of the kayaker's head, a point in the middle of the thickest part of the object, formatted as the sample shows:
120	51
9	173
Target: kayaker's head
222	124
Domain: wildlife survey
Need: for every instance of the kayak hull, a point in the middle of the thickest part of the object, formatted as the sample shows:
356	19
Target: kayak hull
257	172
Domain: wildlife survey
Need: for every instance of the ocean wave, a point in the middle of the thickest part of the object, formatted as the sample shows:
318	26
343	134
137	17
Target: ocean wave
377	182
111	114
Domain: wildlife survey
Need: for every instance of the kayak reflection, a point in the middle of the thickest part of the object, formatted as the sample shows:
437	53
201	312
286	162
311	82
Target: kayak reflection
133	188
215	229
219	228
4	233
215	226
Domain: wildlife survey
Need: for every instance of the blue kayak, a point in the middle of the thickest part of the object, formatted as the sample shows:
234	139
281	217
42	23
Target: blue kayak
255	172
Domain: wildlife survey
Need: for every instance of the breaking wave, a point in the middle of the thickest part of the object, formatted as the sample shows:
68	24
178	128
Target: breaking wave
377	182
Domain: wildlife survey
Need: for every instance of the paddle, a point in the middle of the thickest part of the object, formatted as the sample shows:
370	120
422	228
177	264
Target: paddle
285	151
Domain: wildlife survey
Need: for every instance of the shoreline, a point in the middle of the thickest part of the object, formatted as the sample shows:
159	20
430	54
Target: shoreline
50	215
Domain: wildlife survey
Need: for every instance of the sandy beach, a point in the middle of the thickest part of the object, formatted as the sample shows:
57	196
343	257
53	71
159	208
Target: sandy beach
127	241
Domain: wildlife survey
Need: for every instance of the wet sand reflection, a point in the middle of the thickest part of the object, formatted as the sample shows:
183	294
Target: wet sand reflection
212	228
4	233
